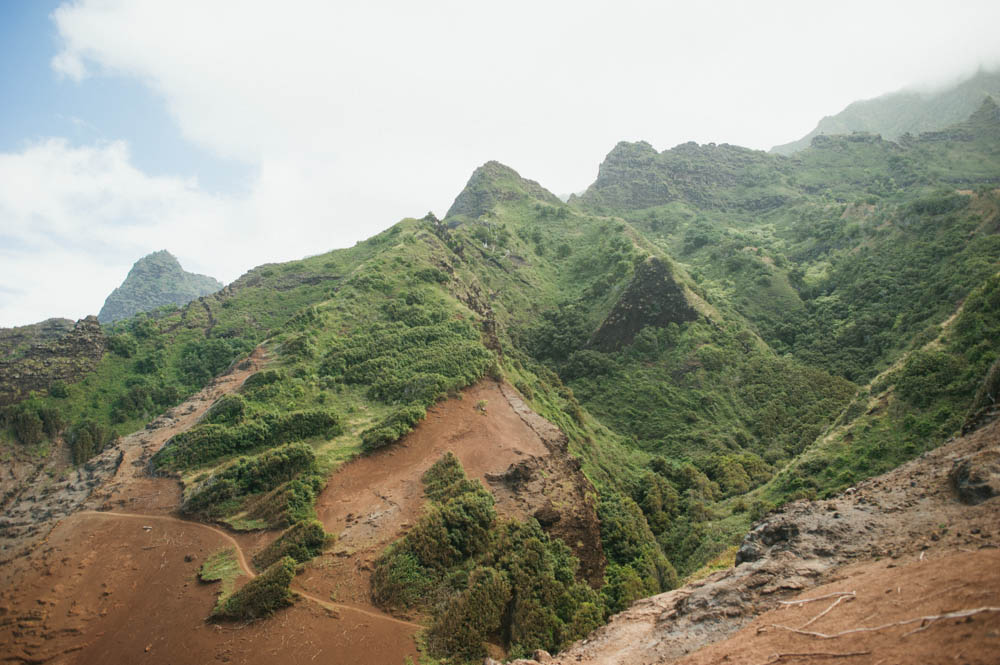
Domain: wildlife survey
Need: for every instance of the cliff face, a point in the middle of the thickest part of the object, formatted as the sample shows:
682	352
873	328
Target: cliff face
36	356
652	298
155	280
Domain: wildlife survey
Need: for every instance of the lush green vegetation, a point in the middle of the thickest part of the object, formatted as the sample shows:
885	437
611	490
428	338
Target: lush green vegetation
261	596
221	566
302	541
484	579
716	330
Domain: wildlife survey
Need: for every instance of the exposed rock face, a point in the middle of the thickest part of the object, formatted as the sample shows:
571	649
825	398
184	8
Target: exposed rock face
653	298
554	491
55	350
634	176
155	280
494	183
977	477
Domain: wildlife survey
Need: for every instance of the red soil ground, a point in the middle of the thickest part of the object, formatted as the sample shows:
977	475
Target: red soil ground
371	501
103	588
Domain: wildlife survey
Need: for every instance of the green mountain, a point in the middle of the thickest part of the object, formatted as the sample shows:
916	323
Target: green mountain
155	280
716	331
905	112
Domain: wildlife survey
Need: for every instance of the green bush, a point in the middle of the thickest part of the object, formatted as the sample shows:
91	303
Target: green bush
261	596
210	441
483	579
392	427
472	616
227	410
87	438
59	390
249	475
302	542
286	504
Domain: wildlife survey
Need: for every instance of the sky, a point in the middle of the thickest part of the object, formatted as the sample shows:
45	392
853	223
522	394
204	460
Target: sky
242	132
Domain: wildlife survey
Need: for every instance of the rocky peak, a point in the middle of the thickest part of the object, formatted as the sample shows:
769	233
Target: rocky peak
494	183
155	280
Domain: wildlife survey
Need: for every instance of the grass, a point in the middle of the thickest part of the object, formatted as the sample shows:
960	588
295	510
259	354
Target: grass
221	566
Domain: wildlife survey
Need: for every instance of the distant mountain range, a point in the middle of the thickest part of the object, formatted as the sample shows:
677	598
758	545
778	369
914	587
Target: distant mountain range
155	280
905	111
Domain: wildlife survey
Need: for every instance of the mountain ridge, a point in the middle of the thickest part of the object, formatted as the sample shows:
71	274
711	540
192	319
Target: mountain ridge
898	113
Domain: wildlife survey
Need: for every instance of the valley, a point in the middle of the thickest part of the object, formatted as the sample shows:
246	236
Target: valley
652	423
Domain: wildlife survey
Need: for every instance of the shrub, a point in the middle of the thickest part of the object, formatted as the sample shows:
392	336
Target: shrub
262	378
87	438
227	410
481	578
210	441
249	475
392	427
27	426
123	345
262	595
472	616
302	542
286	504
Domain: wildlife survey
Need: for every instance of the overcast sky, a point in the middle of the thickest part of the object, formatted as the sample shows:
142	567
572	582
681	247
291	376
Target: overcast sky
238	133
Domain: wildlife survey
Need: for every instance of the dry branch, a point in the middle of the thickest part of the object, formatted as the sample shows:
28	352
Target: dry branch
824	612
809	600
958	614
778	657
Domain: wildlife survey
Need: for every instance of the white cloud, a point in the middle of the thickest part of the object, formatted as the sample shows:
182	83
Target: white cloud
353	115
76	218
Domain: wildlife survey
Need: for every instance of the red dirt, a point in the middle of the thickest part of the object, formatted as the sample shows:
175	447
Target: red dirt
886	593
106	590
97	587
102	588
372	500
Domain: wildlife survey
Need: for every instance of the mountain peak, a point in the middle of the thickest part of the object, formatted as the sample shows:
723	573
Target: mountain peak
155	280
493	183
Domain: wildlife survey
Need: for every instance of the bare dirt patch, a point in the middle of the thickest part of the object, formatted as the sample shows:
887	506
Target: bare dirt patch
373	500
104	588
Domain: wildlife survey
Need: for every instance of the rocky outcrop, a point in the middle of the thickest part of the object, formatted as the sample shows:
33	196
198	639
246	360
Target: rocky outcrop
976	478
554	491
45	353
492	184
154	281
652	298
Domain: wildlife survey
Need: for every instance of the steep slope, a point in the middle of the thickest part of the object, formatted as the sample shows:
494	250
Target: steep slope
905	112
901	549
155	280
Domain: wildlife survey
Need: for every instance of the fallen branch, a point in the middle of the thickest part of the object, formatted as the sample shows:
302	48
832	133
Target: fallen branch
958	614
809	600
778	657
851	596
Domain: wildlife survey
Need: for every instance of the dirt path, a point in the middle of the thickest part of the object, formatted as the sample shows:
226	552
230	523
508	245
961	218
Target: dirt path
114	477
104	589
245	567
